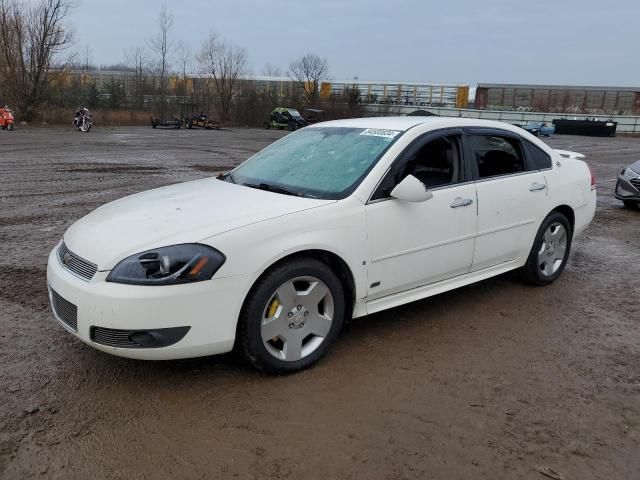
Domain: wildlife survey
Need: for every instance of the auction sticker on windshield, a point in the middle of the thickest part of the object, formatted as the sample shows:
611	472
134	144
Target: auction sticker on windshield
380	132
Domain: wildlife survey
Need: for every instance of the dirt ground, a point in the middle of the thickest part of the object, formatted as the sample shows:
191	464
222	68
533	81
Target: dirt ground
496	380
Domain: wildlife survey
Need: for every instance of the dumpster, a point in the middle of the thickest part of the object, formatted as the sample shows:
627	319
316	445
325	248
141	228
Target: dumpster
589	127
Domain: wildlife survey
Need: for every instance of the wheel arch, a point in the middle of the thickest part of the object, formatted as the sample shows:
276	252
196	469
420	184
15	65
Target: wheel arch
565	210
568	212
334	261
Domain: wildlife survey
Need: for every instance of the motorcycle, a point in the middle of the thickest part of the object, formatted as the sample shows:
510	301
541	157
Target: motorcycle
82	120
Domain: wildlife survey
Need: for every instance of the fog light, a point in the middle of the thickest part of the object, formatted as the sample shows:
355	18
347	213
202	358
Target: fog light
146	339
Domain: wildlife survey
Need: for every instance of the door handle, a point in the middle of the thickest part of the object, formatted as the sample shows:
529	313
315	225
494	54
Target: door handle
461	202
535	186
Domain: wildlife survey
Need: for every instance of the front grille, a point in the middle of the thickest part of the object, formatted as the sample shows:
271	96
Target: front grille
75	264
158	337
65	311
636	183
113	338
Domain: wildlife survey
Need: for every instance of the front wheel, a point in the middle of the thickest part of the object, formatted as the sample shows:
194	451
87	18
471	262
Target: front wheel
10	127
85	126
631	204
550	251
292	316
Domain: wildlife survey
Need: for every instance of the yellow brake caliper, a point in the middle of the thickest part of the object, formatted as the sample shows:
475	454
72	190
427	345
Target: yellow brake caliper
273	308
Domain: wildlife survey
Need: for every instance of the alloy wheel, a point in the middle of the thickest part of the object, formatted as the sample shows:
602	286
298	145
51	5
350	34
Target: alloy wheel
553	249
297	318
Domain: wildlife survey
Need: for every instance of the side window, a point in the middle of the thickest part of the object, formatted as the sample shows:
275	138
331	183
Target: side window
496	155
436	164
537	159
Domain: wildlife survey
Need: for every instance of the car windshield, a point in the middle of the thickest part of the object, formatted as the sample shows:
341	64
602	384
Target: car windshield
321	162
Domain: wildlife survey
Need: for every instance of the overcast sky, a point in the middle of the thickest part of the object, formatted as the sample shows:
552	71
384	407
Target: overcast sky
585	42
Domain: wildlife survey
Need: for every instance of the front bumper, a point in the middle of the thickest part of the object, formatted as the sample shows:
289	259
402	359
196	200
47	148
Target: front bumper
625	190
209	308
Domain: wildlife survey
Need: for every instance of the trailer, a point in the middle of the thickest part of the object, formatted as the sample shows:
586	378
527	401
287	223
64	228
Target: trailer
193	117
156	122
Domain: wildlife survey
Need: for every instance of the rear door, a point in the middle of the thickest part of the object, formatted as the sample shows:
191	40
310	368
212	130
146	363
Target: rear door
512	195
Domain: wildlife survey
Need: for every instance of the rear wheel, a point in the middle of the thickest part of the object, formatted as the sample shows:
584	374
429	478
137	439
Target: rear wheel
631	204
292	316
550	251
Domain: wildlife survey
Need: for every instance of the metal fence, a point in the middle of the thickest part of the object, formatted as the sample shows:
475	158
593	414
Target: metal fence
626	124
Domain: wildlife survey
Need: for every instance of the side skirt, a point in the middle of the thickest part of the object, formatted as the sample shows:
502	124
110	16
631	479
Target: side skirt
425	291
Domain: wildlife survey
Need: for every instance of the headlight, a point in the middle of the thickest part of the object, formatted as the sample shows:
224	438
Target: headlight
628	173
168	265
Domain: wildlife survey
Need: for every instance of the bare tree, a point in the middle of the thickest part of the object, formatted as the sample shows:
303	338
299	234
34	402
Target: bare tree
161	46
185	63
136	60
226	64
31	37
310	70
270	70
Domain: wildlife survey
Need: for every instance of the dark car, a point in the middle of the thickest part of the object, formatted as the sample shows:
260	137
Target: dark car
628	185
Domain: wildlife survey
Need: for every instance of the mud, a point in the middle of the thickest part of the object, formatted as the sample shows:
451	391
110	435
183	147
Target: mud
496	380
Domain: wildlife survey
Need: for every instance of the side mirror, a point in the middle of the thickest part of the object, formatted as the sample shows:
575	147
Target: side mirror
411	190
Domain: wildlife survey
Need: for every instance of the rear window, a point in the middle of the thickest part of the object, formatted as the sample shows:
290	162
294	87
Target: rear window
537	159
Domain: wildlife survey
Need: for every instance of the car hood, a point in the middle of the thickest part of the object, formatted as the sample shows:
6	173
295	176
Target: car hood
635	167
182	213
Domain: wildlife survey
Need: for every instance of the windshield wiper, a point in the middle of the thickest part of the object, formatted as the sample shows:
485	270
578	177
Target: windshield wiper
227	176
272	188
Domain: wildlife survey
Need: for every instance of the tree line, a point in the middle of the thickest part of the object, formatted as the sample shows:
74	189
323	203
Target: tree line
39	71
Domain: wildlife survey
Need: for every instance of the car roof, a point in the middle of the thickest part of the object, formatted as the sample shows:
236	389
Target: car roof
405	123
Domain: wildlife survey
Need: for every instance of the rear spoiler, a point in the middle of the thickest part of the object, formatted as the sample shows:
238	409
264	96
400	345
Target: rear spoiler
568	154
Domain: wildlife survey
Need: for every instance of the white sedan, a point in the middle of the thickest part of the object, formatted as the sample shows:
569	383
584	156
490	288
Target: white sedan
338	220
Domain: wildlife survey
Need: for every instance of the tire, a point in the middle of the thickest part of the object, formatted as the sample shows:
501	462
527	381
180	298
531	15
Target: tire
309	342
631	204
10	127
542	267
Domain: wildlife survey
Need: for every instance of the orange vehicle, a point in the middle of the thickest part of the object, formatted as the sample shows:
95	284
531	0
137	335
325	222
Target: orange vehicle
6	118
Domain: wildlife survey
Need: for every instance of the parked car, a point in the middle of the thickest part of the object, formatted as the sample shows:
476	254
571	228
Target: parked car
6	118
540	128
338	220
281	118
628	186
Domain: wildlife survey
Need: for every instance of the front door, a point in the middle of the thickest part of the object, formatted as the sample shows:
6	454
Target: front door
414	244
